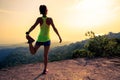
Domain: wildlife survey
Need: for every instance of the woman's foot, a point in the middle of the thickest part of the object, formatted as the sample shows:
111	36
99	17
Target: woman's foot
30	39
45	71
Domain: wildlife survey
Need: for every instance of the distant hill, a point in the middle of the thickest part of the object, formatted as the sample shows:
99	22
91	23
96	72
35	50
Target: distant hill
5	49
113	35
4	53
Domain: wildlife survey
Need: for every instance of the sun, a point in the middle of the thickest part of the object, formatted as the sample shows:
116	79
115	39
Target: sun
91	12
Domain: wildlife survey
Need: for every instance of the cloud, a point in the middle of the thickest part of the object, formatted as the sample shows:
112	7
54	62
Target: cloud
11	12
7	11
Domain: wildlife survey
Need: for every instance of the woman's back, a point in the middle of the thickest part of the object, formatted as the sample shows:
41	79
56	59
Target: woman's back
44	31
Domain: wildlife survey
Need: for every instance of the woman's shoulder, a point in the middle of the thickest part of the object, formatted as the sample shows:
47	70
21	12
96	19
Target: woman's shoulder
39	18
49	18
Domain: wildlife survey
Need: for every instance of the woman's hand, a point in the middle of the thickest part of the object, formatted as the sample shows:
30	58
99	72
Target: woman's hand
60	40
27	33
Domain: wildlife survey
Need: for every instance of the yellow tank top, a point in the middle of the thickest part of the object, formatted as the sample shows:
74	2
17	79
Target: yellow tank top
44	31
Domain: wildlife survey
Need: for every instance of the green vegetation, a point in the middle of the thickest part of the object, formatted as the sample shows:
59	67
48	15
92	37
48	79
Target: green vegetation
99	46
104	47
82	53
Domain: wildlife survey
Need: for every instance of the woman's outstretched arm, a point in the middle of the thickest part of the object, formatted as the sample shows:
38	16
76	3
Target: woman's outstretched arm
56	31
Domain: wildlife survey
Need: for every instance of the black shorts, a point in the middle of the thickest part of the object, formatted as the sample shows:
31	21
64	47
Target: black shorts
47	43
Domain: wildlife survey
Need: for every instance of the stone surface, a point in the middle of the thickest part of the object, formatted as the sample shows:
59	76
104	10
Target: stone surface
74	69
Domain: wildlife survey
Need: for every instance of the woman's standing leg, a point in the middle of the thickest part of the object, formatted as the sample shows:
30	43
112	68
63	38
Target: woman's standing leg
46	50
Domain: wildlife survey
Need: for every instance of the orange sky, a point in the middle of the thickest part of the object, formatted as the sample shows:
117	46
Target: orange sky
72	18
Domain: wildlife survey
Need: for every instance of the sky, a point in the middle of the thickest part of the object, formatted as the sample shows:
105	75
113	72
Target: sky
72	18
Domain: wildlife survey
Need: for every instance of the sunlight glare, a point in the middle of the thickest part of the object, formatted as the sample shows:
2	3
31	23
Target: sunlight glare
92	12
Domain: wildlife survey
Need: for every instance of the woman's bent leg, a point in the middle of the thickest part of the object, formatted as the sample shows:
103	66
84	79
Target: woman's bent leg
33	49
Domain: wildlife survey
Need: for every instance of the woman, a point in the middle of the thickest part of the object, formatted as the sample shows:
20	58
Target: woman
43	37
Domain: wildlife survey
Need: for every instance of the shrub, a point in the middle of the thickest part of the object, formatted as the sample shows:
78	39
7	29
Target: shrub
102	46
82	53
